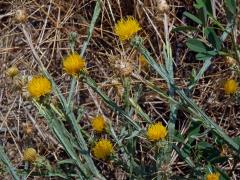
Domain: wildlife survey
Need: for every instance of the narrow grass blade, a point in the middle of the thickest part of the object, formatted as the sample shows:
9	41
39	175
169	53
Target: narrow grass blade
8	164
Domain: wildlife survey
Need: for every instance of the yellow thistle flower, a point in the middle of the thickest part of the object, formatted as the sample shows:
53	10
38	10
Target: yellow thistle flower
12	71
39	86
126	28
230	86
156	131
30	154
213	176
73	64
98	123
102	149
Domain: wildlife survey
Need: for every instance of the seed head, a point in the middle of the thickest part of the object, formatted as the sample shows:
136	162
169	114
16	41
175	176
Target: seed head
12	71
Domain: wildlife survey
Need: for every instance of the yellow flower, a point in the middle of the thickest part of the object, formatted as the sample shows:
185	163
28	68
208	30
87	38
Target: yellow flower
213	176
126	28
12	71
30	154
230	86
98	123
73	64
39	86
156	131
102	149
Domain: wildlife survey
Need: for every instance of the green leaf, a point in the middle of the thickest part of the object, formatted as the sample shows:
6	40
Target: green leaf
203	145
194	131
199	4
237	140
197	46
204	10
213	38
192	17
66	161
134	134
208	7
178	137
185	156
203	57
231	6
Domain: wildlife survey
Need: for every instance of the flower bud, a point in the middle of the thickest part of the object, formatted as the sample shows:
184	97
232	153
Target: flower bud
12	71
30	154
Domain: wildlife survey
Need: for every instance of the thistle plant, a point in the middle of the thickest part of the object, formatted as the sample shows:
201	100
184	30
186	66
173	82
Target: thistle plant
142	146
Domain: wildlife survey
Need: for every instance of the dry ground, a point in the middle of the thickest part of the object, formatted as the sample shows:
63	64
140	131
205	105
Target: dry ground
49	23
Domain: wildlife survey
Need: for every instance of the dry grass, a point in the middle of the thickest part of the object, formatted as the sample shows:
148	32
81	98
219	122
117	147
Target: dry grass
49	23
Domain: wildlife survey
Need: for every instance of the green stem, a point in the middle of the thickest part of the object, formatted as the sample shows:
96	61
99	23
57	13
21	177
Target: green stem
91	83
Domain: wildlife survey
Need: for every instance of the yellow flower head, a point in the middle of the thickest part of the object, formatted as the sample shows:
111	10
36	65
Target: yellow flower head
12	71
39	86
98	123
73	64
30	154
213	176
126	28
156	131
102	149
230	86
